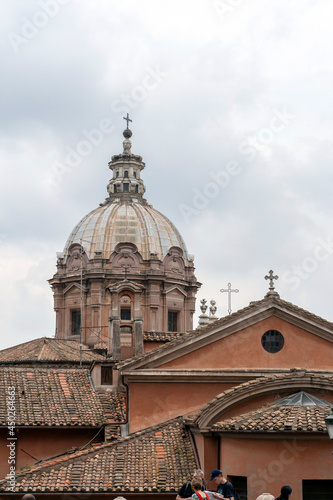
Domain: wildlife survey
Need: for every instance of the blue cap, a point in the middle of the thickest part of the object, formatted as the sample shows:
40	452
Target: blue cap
215	473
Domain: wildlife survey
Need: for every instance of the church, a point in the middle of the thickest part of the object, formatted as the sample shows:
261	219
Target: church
128	399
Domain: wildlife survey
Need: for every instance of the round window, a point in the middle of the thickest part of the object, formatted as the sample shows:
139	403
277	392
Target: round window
272	341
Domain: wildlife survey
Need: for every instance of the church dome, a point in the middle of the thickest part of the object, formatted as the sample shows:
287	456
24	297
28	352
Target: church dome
125	216
125	270
126	221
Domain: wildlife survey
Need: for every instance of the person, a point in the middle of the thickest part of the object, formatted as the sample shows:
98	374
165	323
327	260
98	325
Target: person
224	488
197	486
28	497
186	490
286	492
265	496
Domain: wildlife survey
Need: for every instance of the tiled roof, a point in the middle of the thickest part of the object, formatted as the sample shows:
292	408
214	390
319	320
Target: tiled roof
162	336
252	385
57	397
276	417
160	458
48	350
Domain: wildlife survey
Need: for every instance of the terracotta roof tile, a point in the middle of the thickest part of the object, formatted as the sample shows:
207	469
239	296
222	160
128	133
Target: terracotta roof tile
275	417
246	386
162	336
160	458
48	350
58	397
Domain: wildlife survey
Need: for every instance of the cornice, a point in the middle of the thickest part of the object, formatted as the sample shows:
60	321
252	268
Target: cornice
198	376
227	326
294	381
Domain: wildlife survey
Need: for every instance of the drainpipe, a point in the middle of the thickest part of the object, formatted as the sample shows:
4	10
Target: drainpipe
218	452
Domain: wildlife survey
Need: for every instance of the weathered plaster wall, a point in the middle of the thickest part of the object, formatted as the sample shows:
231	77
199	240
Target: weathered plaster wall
43	443
269	464
244	350
153	403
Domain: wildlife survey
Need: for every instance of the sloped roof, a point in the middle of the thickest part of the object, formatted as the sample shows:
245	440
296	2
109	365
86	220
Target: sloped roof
160	458
162	336
254	312
48	350
57	397
270	384
307	414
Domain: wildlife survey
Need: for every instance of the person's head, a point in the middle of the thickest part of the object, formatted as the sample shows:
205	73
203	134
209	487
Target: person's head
265	496
28	497
216	476
286	491
196	484
198	473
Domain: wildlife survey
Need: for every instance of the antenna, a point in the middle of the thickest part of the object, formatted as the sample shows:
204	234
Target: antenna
81	303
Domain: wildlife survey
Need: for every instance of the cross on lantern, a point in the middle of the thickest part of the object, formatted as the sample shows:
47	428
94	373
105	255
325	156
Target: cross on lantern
270	277
127	118
229	290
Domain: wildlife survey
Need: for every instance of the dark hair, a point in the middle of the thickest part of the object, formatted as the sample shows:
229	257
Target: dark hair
285	492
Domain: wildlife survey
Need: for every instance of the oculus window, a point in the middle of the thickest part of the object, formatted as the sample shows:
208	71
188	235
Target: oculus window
272	341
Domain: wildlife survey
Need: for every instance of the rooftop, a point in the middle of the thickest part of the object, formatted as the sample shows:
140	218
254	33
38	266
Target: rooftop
160	458
300	412
48	350
59	398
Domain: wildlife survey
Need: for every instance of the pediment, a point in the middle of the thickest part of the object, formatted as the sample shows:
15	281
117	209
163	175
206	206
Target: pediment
277	384
73	287
234	330
175	289
124	285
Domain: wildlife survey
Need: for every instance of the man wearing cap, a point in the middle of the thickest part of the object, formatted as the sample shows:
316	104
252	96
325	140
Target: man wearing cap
224	488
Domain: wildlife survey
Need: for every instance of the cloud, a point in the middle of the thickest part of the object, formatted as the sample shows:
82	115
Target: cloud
225	78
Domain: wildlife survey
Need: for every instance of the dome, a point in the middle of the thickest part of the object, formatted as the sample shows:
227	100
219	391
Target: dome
123	221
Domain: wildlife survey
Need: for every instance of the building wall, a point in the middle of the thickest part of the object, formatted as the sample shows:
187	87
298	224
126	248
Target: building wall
244	350
42	443
153	403
269	463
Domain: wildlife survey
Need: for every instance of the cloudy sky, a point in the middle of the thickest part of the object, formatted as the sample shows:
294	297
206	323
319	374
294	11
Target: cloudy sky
231	102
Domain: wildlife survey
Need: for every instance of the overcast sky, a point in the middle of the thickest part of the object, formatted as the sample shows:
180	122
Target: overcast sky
231	104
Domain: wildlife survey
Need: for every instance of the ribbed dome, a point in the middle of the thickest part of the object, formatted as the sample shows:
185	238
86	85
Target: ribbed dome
122	221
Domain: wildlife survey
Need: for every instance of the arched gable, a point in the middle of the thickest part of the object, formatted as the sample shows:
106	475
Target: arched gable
293	382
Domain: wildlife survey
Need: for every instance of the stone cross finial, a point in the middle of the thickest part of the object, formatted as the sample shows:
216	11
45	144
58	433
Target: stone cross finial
127	118
270	277
229	290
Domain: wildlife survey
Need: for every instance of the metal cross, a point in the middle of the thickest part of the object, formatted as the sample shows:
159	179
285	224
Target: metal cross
127	118
270	277
229	290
